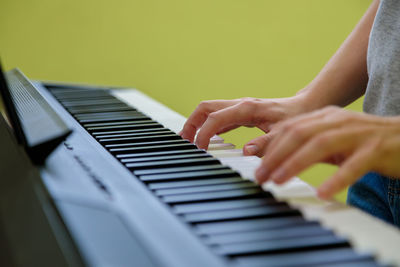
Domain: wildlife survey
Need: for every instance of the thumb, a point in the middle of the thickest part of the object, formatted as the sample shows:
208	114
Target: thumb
257	146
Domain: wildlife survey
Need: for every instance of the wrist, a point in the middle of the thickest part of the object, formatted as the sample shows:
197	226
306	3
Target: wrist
303	101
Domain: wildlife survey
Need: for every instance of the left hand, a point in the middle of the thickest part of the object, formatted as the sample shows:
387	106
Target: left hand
357	142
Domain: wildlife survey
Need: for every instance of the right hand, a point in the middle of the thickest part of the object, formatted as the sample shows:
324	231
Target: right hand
219	116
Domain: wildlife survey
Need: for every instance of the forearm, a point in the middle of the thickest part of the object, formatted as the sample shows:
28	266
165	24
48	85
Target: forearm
344	78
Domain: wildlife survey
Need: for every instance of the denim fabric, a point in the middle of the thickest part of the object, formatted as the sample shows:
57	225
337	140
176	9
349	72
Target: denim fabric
377	195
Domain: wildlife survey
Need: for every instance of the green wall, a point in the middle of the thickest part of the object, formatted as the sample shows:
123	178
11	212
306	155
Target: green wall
180	52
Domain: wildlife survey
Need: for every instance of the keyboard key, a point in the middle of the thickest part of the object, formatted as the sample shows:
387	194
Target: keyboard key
253	212
275	234
145	149
108	114
168	157
190	175
141	138
145	121
88	103
148	143
189	183
320	257
355	263
134	131
119	118
159	131
252	224
99	109
156	154
283	245
207	196
181	169
128	126
172	163
206	188
223	205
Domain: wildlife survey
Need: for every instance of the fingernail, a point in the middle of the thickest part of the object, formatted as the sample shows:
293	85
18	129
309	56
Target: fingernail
261	174
252	149
278	175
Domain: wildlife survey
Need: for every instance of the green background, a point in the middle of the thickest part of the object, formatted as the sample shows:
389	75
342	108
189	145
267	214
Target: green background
180	51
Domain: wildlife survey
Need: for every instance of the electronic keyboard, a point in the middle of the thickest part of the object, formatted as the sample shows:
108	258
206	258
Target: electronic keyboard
124	189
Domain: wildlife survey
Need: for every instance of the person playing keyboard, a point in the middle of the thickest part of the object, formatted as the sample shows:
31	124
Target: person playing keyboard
311	127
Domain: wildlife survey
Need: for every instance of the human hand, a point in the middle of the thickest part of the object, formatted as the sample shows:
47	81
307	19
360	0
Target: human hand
358	142
219	116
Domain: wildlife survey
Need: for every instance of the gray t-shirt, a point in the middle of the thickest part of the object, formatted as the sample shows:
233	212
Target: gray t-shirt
382	96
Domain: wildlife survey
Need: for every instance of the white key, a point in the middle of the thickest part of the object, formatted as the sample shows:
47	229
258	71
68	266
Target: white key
221	146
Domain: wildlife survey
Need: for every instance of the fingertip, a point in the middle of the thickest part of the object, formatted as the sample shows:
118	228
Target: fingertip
279	176
201	144
324	192
249	150
261	174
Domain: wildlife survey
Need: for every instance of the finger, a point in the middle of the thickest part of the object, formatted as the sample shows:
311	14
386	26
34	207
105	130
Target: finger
291	139
282	128
257	146
352	169
200	114
239	114
316	149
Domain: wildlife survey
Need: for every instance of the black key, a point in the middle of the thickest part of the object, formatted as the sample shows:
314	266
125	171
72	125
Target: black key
198	197
189	175
179	184
76	95
254	212
304	258
129	126
156	132
275	234
284	245
168	157
141	138
145	149
87	125
108	114
77	90
84	103
205	188
65	96
134	131
119	118
223	205
353	263
155	143
172	163
181	169
155	154
100	109
250	225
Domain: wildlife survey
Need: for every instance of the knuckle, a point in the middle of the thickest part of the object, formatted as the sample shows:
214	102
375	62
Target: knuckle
331	108
204	105
213	115
249	102
321	141
245	99
250	99
296	131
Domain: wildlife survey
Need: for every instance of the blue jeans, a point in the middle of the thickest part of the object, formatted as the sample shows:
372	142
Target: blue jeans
377	195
